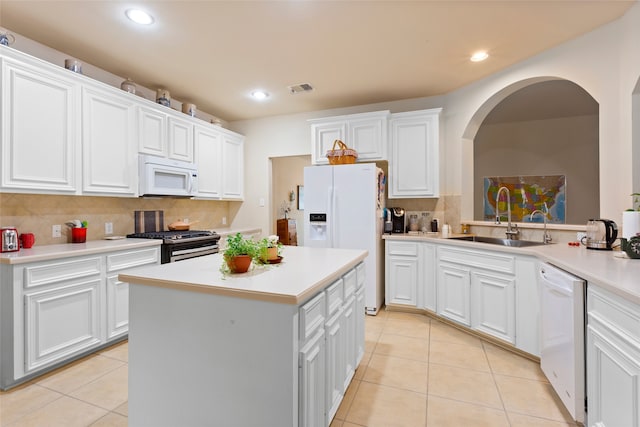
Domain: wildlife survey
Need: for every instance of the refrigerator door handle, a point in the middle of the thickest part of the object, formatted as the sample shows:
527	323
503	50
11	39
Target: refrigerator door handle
334	218
330	212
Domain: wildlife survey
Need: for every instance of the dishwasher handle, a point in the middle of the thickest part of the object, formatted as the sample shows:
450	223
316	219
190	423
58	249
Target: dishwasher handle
555	282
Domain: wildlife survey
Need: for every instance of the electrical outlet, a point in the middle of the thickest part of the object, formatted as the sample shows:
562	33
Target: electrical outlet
224	220
108	228
56	231
580	235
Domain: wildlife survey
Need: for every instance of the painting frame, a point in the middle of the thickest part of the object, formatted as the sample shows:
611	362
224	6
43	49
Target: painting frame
300	197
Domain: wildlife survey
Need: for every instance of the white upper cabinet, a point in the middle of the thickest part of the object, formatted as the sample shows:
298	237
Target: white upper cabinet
108	143
366	133
180	138
232	166
40	127
414	164
152	131
220	157
208	156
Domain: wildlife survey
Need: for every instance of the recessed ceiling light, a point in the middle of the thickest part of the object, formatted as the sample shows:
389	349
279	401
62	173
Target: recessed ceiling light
139	16
481	55
259	95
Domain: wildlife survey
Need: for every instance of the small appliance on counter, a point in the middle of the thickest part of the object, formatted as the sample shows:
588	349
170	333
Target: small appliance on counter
601	233
10	242
398	220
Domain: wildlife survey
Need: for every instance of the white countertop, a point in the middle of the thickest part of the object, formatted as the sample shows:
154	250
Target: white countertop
302	273
68	250
603	268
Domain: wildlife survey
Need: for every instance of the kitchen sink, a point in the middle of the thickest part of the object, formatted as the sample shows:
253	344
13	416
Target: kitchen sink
499	241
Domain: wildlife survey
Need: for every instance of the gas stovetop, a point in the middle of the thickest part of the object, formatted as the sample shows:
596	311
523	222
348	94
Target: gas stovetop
175	236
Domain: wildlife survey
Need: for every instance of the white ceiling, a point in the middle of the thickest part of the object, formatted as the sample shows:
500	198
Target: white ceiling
214	53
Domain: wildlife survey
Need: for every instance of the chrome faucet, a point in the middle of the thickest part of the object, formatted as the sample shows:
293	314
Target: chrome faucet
512	230
546	237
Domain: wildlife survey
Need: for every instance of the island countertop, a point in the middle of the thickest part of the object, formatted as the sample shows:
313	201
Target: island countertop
301	274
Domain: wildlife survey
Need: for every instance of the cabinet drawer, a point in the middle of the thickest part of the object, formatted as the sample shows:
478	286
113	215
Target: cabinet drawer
130	259
60	271
350	284
334	297
402	248
312	316
621	317
481	259
361	274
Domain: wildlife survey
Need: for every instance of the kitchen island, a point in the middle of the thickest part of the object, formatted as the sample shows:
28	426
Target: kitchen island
247	349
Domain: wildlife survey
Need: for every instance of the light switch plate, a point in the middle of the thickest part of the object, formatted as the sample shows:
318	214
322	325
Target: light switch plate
56	231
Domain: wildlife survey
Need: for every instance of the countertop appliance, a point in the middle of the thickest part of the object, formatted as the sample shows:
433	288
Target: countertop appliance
398	220
10	242
181	245
601	233
167	177
562	354
343	209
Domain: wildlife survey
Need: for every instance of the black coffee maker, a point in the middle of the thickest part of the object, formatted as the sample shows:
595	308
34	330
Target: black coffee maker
397	219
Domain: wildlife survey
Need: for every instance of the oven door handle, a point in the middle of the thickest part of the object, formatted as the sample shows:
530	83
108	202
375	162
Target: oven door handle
192	253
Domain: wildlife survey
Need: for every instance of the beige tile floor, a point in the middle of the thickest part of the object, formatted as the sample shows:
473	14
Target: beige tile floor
416	372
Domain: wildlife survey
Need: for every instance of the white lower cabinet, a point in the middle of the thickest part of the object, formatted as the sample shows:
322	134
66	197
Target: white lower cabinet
331	346
454	293
402	273
61	321
493	299
477	289
613	360
62	308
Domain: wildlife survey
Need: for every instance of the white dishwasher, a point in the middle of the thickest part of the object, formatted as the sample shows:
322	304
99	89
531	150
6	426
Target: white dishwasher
562	355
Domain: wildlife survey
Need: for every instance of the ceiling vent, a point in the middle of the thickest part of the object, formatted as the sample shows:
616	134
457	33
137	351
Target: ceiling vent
299	88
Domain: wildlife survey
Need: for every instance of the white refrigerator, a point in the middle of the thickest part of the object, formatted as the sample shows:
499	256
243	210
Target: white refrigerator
343	209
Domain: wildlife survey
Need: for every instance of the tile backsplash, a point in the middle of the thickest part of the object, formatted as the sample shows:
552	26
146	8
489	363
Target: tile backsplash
35	213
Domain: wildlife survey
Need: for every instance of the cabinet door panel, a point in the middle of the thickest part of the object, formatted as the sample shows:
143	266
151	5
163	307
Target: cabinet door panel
180	139
414	154
208	155
493	305
152	131
350	345
117	307
613	381
454	287
322	137
61	322
232	167
367	136
403	280
312	382
108	143
335	350
40	130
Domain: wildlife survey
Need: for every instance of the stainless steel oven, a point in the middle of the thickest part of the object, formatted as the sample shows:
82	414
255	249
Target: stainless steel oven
181	245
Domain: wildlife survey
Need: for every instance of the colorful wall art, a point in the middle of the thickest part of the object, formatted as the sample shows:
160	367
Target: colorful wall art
526	194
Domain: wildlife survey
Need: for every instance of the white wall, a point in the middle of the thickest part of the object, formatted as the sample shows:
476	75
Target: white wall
604	62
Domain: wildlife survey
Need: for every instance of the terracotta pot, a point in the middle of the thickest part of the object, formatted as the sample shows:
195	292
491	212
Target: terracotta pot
239	264
272	253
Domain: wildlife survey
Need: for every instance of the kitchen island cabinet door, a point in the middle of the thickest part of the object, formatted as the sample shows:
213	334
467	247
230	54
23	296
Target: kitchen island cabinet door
108	143
313	382
40	129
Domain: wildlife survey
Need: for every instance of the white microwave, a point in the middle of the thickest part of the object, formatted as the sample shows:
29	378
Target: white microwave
166	177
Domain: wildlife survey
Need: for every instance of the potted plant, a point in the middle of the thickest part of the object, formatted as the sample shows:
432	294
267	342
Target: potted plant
239	253
270	248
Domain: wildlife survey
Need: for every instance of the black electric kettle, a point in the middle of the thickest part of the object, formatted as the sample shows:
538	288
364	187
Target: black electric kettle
601	233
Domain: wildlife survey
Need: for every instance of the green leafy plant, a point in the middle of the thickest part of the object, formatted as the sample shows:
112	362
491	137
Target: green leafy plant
269	242
636	202
238	245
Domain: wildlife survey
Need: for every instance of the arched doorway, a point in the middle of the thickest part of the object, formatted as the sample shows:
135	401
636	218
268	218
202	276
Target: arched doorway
539	127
